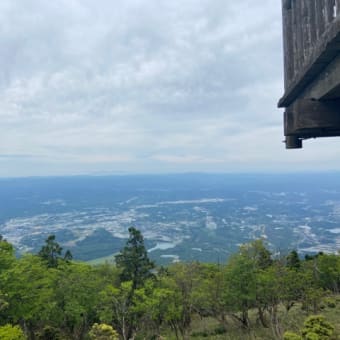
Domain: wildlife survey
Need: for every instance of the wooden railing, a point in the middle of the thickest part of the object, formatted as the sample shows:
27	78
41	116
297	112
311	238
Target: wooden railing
304	24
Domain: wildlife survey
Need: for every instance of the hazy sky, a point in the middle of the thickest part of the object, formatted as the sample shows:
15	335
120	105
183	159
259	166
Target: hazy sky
145	86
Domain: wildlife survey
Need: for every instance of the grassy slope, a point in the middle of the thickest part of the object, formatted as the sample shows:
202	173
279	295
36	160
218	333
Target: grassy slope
207	328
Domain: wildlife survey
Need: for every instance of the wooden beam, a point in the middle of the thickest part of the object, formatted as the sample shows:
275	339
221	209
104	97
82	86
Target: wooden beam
307	118
327	83
327	48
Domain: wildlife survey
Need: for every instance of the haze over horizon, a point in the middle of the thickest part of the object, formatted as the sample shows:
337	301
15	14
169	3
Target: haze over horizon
139	86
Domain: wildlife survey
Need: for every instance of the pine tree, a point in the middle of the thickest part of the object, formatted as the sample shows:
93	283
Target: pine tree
51	252
133	260
293	260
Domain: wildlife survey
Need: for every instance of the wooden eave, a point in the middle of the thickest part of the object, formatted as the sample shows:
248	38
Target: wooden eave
323	53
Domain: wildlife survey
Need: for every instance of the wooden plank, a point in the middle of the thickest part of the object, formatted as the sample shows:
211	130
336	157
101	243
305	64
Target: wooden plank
305	27
311	8
286	4
320	18
324	51
327	83
329	11
299	53
288	42
308	118
294	39
334	10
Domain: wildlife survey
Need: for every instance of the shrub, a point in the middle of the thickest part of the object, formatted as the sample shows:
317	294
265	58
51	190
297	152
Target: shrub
103	332
330	302
317	328
9	332
291	336
49	333
220	330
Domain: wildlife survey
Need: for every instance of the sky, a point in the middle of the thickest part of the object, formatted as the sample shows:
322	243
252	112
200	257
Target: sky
145	86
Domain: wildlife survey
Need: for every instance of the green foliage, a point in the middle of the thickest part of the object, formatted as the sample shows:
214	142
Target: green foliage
291	336
182	282
330	302
29	290
293	260
7	256
103	332
257	253
133	260
115	307
154	303
68	256
317	328
120	304
291	286
3	302
76	292
312	298
49	333
54	298
240	284
328	270
9	332
242	273
51	252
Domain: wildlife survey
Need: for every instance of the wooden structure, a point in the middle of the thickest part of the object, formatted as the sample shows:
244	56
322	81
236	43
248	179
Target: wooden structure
311	39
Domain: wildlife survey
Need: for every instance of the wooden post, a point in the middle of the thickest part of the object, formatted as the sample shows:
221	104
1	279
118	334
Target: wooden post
293	142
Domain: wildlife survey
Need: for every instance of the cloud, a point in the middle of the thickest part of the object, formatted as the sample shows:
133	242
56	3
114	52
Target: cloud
140	85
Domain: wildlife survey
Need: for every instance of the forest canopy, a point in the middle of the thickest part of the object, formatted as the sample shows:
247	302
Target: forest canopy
50	296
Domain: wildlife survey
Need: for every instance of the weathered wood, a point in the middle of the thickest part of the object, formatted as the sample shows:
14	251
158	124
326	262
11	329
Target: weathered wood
300	47
286	4
326	84
320	24
294	38
287	41
311	37
309	118
304	23
311	5
329	11
326	49
305	31
293	142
